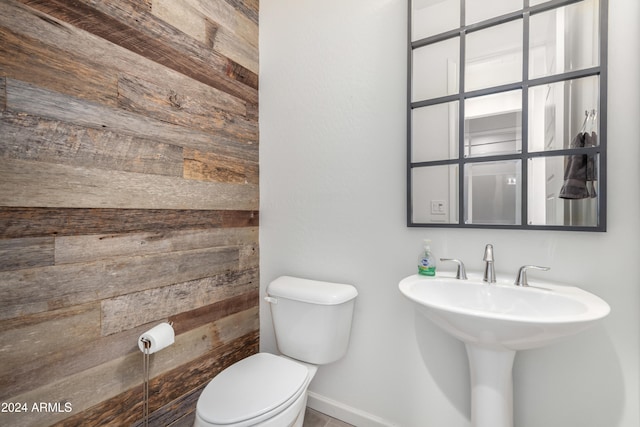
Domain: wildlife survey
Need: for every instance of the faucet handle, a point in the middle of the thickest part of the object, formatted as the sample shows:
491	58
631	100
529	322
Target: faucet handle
521	280
461	273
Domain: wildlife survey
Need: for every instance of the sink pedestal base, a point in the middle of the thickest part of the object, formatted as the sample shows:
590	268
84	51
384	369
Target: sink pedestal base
491	386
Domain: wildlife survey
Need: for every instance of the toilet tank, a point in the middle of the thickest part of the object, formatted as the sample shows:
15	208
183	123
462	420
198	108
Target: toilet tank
311	319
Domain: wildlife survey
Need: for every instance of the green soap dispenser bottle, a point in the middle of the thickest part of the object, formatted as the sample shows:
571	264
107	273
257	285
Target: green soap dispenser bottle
426	261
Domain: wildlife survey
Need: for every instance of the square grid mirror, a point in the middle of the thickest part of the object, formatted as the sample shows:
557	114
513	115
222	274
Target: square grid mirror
507	114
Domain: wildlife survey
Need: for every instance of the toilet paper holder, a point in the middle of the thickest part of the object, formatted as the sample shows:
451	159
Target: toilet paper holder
146	350
146	343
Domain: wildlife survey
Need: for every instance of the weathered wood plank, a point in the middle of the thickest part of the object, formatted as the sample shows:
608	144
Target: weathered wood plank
32	61
250	8
113	378
219	168
47	288
126	408
214	72
26	183
75	249
128	311
177	413
28	346
26	98
25	343
188	98
68	360
31	138
252	111
36	222
112	58
249	256
227	16
65	132
34	356
28	252
200	316
227	43
235	35
186	19
25	369
183	107
142	18
3	93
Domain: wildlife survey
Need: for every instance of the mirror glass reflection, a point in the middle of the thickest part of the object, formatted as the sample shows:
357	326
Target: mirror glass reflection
431	17
435	194
492	193
480	10
564	39
558	112
563	190
493	56
435	132
435	70
493	124
507	114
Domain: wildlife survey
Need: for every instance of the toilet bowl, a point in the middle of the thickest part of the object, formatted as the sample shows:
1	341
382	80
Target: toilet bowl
262	390
312	324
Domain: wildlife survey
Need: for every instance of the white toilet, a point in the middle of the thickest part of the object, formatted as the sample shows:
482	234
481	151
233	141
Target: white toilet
312	323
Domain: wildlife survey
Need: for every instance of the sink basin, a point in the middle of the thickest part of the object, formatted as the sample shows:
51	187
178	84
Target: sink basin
495	321
502	315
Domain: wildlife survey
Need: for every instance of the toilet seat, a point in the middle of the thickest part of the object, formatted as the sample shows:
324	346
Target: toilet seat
252	390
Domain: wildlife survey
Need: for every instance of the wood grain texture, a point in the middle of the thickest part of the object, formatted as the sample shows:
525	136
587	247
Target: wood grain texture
226	16
235	35
28	252
128	311
249	8
26	98
110	58
47	288
219	168
66	361
3	93
88	248
31	138
200	316
128	196
188	96
27	183
177	413
37	221
179	107
216	73
31	60
23	346
27	342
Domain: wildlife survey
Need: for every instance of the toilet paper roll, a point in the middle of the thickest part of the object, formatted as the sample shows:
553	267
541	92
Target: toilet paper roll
160	336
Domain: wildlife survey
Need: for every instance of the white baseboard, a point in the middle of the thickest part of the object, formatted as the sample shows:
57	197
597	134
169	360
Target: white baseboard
344	412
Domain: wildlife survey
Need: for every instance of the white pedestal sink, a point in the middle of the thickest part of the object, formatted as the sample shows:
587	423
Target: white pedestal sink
496	320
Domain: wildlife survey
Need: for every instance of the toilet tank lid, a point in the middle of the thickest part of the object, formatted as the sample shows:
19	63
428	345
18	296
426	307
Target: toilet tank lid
311	291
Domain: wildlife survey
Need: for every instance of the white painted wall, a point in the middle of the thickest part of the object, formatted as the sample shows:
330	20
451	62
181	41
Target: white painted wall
332	159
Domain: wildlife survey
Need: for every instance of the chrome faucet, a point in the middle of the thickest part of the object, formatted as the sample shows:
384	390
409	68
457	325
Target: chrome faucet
489	270
461	272
521	280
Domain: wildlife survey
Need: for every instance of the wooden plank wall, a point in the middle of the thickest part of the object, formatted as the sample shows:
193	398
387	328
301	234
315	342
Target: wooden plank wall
128	197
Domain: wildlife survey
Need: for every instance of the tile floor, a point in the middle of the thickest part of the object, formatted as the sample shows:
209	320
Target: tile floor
314	418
